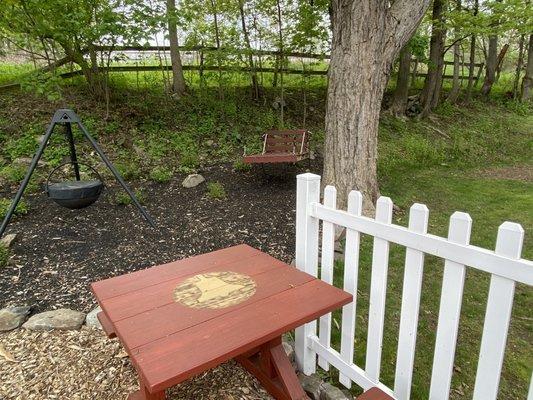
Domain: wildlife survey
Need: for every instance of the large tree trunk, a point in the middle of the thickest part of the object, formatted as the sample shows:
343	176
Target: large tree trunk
527	82
367	38
430	95
401	92
178	80
491	65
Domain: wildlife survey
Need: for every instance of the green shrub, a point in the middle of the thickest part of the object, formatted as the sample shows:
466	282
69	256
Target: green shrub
128	169
123	199
13	173
241	166
22	207
161	174
215	190
4	255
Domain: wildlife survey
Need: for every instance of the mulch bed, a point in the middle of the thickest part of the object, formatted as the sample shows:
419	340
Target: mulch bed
85	365
59	252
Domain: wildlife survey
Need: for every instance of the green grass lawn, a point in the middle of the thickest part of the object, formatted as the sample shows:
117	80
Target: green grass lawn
489	202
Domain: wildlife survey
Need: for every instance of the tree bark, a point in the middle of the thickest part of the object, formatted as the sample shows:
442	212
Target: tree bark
253	74
472	66
367	38
519	65
179	87
490	66
454	92
430	95
527	82
499	62
401	92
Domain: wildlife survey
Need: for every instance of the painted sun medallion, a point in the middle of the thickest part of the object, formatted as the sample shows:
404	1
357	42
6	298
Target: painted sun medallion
214	290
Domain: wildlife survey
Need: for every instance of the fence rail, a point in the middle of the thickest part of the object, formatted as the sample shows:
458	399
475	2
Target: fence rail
504	264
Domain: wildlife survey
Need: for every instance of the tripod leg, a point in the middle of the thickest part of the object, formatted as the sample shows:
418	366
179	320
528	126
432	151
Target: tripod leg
73	157
31	168
117	175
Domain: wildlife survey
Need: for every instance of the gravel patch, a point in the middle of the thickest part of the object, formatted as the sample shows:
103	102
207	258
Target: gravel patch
85	365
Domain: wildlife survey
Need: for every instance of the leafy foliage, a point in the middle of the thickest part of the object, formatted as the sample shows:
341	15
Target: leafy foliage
216	191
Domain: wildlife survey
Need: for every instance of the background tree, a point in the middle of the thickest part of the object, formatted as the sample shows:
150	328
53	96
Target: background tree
430	95
178	80
367	38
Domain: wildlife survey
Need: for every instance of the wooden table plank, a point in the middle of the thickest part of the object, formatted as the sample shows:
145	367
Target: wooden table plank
123	284
158	295
172	359
145	327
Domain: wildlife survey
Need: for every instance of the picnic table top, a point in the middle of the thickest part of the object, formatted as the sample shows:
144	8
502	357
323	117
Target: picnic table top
179	319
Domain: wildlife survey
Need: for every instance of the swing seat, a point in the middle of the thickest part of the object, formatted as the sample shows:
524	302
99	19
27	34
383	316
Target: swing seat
285	146
75	194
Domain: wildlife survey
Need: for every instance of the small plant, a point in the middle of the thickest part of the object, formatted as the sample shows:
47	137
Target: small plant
129	170
241	166
216	191
161	174
4	255
123	199
22	207
13	173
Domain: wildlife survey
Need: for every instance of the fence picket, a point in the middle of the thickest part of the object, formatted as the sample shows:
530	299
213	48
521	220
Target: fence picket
505	266
328	259
412	286
497	316
378	292
450	311
307	192
351	268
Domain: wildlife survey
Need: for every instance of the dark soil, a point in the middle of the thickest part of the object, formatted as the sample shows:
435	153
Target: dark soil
59	252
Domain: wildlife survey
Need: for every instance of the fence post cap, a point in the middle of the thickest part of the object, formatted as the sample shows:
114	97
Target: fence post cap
308	177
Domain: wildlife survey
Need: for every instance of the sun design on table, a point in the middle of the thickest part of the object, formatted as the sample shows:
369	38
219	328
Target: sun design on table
215	290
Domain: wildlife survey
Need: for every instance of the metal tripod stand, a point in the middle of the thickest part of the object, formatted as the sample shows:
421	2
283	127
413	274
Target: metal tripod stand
68	117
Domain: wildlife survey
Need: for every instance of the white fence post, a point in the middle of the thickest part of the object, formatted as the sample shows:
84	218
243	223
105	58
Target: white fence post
497	317
351	272
449	311
307	192
412	287
326	270
378	293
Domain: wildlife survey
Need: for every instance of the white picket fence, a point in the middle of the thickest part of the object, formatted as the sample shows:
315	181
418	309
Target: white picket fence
504	264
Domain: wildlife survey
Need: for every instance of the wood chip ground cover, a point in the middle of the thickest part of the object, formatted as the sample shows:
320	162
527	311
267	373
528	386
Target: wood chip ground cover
85	365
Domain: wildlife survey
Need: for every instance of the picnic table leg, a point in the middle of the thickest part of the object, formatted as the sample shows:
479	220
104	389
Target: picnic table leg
271	366
144	394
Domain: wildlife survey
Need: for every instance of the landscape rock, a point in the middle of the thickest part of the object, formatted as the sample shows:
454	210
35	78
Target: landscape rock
192	180
62	319
26	161
8	240
92	320
330	392
13	317
289	350
312	385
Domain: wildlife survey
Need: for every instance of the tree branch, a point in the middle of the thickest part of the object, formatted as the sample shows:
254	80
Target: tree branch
405	16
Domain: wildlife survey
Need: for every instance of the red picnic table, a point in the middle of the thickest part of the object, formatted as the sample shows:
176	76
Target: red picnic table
179	319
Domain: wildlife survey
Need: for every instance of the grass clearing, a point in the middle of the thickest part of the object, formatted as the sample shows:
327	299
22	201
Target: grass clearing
489	202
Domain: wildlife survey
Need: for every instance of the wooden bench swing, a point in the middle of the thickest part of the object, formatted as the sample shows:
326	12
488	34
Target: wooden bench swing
282	147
